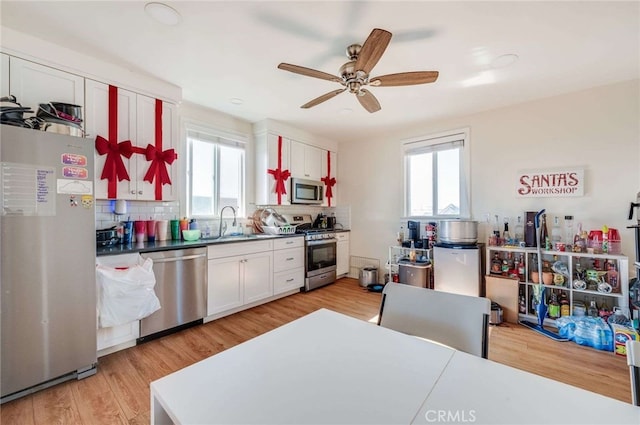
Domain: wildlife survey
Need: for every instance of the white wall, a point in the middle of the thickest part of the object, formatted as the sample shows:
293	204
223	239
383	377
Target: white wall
596	129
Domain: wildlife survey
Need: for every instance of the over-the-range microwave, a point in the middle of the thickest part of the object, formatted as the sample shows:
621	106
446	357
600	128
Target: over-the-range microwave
305	191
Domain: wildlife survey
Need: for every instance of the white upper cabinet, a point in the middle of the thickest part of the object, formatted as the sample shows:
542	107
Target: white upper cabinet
33	84
306	161
4	75
267	159
146	135
97	124
136	123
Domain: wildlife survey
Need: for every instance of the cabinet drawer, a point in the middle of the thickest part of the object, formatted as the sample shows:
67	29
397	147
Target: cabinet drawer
222	250
287	259
342	236
291	242
288	280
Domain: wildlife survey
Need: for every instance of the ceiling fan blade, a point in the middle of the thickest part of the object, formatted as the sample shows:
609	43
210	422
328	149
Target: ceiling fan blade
368	101
322	98
404	79
372	50
309	72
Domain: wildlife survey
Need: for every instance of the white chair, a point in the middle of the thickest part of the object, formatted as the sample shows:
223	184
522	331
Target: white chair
459	321
633	360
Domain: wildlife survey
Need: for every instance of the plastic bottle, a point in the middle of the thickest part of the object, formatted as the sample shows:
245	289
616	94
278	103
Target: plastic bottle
519	231
400	237
592	310
506	236
568	230
605	239
556	233
412	253
554	306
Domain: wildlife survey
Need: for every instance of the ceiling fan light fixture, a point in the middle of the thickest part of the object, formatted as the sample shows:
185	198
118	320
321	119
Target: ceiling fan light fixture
162	13
504	61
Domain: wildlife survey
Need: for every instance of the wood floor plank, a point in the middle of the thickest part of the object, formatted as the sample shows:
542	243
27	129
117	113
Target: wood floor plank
120	391
56	405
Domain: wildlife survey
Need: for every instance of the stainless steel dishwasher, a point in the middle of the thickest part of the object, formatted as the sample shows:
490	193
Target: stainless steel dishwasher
181	277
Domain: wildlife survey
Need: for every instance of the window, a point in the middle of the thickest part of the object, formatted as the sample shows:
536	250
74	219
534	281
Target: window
216	169
436	171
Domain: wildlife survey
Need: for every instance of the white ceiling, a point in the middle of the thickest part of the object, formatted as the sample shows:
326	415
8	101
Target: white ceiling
225	50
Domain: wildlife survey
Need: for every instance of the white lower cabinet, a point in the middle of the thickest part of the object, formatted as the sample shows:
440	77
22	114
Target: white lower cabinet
117	335
342	253
244	274
288	264
242	278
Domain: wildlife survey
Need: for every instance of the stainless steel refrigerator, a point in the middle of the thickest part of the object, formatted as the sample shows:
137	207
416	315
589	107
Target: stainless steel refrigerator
48	297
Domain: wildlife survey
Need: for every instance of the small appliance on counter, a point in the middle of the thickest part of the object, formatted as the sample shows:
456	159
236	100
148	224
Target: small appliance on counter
107	237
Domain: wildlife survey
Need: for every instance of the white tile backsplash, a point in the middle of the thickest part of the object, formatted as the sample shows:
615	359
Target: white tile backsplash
136	210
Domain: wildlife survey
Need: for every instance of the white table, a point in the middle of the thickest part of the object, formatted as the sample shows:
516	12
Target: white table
330	368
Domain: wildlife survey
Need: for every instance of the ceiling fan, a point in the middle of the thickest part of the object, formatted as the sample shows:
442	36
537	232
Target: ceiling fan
354	75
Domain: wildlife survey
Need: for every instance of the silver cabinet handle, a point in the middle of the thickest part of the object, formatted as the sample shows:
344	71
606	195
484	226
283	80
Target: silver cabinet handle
139	192
133	192
174	259
290	280
289	259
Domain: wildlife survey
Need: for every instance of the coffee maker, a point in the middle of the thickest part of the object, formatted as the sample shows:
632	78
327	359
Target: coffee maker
413	230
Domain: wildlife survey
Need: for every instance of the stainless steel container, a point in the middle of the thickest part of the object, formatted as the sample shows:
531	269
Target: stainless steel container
496	314
368	275
461	232
415	274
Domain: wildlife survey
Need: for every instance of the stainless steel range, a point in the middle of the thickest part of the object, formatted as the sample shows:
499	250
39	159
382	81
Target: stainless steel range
320	251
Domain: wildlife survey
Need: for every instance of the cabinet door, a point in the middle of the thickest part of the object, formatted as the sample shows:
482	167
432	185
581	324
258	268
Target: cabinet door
224	284
342	257
33	84
115	335
306	161
258	276
313	162
4	75
272	164
324	172
146	130
97	124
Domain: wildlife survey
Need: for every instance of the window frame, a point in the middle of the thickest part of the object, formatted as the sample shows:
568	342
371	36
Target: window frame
426	144
217	138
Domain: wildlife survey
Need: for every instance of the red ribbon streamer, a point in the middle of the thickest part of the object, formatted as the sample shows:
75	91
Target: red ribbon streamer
114	169
159	158
279	174
329	181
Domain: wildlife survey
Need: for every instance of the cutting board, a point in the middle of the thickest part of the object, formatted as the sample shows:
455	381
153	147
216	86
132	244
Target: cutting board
504	291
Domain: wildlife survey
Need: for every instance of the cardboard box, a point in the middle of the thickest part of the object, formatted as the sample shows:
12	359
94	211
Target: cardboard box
620	336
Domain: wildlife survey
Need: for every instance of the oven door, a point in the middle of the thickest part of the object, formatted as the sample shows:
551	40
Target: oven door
321	256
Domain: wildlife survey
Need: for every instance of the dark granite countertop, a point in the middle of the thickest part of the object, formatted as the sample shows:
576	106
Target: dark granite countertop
174	244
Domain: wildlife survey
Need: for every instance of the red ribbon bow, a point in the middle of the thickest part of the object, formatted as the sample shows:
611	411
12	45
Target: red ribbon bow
159	159
114	166
279	174
280	177
328	180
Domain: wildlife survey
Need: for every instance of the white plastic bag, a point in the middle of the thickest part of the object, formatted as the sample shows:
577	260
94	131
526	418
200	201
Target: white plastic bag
126	294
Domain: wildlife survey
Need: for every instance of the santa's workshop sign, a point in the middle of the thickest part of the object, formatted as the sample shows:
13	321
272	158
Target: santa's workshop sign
550	183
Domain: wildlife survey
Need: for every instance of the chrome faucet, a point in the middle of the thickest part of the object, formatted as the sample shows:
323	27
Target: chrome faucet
234	224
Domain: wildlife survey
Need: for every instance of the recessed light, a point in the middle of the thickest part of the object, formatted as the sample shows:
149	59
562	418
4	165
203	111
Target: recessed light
236	101
162	13
346	111
504	61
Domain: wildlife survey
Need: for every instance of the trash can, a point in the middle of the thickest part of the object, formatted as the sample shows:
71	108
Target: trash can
415	274
368	275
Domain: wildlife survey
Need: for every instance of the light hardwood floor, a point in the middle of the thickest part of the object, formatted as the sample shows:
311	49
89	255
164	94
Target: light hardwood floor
119	392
